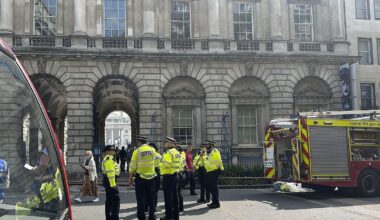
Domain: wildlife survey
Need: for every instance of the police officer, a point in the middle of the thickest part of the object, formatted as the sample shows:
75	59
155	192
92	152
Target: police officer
181	176
157	181
169	167
110	169
214	166
142	165
198	162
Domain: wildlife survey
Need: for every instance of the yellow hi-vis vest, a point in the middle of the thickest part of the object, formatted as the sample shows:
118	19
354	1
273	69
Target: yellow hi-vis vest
213	161
183	161
142	162
110	168
157	160
170	162
199	161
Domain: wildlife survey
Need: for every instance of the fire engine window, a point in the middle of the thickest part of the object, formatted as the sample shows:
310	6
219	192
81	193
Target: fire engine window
369	153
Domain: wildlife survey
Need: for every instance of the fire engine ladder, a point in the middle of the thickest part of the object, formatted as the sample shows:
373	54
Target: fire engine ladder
371	114
225	147
153	129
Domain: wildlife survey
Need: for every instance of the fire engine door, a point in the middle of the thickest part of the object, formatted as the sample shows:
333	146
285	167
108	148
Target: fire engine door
269	163
295	159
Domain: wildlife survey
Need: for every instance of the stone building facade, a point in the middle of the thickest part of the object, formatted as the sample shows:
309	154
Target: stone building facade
179	67
363	32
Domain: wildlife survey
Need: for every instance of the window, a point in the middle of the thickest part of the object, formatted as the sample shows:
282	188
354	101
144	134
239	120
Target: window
243	21
303	22
367	91
247	125
378	51
45	17
362	9
114	18
182	123
376	5
180	20
365	50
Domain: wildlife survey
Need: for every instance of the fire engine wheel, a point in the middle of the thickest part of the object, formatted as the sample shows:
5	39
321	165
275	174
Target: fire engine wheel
368	184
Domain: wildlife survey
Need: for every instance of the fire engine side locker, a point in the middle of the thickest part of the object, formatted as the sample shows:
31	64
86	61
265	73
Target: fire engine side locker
329	151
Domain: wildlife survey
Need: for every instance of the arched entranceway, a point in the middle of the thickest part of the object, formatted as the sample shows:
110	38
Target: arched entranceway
53	95
311	94
118	129
115	93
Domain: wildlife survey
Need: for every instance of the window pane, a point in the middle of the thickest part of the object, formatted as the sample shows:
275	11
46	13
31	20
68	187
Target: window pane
180	20
365	51
114	18
378	51
377	8
247	123
367	96
303	22
242	18
362	11
45	15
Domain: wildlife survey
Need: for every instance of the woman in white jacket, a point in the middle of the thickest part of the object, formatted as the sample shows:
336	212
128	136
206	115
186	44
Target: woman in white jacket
89	189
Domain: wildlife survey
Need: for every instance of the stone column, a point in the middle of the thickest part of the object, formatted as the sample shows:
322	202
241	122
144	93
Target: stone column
148	16
336	19
6	16
213	19
276	27
80	17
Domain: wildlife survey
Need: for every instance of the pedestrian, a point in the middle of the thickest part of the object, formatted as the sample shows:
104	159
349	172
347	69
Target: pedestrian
214	166
142	167
110	169
190	170
123	158
157	179
181	177
117	154
169	167
89	189
198	162
4	178
129	156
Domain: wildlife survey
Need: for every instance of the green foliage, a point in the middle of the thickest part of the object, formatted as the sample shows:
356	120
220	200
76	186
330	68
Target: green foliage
239	171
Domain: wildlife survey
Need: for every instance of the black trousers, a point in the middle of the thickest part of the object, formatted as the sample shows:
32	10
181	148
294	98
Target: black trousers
112	204
122	165
181	183
169	186
212	185
190	176
202	182
145	192
157	184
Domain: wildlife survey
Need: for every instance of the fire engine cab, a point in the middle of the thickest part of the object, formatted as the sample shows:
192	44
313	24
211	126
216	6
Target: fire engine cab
323	152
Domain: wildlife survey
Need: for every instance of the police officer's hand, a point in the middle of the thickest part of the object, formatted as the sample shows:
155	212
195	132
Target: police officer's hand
130	182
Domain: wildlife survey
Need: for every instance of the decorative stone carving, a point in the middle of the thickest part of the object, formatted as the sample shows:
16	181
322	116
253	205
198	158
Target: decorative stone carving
183	86
311	67
311	88
183	67
249	87
41	65
249	69
115	64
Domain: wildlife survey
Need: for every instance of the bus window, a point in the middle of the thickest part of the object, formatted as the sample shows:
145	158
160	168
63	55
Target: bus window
31	182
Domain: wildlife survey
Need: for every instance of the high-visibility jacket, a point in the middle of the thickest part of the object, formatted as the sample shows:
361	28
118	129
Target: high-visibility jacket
199	161
110	168
142	162
213	161
183	161
171	161
157	160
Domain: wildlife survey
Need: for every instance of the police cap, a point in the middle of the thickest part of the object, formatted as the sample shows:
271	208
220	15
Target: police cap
154	145
210	142
108	147
141	138
171	140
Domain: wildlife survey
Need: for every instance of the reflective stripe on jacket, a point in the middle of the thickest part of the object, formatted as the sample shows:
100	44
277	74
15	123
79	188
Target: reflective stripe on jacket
213	161
143	162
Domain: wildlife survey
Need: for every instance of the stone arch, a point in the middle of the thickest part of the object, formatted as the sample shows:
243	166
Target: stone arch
187	95
54	97
248	94
312	94
115	93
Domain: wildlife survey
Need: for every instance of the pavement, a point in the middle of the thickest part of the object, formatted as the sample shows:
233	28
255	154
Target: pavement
248	204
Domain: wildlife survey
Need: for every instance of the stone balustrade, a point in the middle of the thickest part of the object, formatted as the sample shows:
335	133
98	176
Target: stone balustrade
191	45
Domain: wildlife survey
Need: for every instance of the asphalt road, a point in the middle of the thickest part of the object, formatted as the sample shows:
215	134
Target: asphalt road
251	204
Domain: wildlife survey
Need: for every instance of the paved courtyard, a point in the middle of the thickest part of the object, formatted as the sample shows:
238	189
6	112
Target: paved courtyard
250	204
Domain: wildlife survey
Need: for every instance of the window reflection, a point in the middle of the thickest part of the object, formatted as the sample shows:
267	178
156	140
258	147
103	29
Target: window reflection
114	18
45	17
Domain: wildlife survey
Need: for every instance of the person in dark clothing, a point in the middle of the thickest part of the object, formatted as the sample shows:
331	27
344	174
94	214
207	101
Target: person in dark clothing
123	159
190	171
129	156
